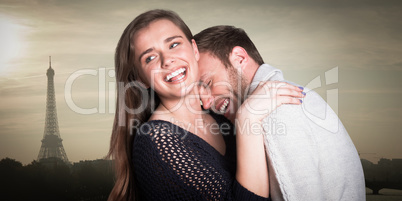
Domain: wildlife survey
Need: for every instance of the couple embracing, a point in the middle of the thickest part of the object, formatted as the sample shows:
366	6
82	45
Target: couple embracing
203	109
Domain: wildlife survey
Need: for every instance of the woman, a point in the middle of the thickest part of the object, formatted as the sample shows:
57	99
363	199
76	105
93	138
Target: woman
164	145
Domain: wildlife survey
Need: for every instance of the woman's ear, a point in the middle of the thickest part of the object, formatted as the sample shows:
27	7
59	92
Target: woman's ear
195	48
239	57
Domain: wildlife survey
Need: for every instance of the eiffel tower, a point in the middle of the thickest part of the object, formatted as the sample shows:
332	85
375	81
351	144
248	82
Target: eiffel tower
52	146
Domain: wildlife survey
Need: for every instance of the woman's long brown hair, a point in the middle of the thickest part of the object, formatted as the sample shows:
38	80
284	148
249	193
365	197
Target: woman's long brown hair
134	103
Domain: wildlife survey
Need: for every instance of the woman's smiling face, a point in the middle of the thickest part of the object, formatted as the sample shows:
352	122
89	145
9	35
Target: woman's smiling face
166	60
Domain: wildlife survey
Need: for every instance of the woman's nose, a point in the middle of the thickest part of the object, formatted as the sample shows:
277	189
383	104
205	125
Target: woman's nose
167	61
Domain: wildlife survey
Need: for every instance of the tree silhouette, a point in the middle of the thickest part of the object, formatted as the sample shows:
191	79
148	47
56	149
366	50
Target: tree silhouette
55	180
10	170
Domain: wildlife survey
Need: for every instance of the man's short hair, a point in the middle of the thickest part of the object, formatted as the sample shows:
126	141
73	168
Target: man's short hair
220	41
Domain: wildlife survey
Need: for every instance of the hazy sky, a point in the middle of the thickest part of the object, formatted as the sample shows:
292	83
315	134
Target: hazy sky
303	38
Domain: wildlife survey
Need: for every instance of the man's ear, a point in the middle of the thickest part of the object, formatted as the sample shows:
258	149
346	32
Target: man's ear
239	58
195	49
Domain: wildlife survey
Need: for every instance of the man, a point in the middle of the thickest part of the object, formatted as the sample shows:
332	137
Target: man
310	154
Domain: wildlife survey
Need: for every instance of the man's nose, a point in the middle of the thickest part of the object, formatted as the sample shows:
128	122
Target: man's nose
206	98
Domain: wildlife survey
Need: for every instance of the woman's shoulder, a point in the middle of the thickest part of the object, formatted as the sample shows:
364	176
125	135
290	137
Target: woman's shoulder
153	126
159	130
154	137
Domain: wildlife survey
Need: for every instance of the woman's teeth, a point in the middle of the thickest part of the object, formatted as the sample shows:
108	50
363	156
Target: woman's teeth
222	109
174	74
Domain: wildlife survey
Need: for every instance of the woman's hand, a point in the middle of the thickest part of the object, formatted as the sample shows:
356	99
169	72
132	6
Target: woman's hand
267	97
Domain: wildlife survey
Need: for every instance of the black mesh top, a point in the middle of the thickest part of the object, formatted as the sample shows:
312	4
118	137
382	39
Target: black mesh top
171	163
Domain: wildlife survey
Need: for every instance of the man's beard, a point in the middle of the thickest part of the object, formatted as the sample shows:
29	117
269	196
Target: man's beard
239	84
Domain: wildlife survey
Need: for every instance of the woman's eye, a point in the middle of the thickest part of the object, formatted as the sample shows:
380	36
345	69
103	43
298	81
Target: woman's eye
173	45
149	59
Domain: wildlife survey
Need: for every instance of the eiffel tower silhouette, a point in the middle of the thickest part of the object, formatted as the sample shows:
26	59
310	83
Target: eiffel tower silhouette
52	146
